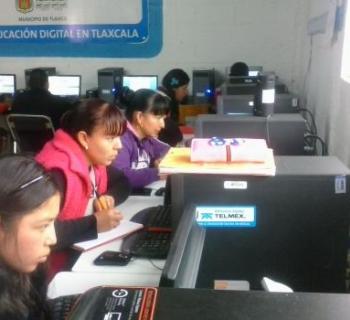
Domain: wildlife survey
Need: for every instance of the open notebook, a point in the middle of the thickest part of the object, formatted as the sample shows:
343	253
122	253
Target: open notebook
125	227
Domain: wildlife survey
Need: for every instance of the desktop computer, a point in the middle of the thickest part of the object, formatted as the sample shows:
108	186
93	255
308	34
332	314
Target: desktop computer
65	85
284	133
240	86
203	86
110	82
286	103
50	71
141	82
292	228
7	84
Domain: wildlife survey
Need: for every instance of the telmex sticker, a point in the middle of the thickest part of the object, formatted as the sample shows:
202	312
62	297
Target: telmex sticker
228	216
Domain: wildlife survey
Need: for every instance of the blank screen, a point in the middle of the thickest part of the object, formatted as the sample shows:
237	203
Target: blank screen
140	82
64	85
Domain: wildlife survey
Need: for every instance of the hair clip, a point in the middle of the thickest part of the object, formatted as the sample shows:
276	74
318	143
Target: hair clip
27	184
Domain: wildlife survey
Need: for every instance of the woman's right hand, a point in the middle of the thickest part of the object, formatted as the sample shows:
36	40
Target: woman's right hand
107	219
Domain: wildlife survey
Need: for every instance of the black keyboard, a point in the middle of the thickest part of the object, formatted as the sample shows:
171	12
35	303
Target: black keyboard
61	306
154	240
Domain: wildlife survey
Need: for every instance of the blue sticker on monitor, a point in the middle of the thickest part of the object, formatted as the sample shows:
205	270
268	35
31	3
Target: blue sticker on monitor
82	28
226	216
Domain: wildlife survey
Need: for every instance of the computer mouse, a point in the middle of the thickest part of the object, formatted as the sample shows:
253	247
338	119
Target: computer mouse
160	192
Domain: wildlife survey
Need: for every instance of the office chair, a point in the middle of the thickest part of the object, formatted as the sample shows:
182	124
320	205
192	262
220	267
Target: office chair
29	132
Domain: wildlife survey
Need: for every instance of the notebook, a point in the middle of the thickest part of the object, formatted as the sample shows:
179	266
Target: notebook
125	227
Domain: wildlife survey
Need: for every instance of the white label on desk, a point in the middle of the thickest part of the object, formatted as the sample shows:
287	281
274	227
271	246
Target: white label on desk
226	217
241	185
340	184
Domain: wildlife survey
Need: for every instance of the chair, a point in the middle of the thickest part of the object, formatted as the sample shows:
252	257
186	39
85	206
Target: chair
29	132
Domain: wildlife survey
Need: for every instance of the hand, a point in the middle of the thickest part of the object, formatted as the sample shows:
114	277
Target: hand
156	163
162	176
107	219
104	202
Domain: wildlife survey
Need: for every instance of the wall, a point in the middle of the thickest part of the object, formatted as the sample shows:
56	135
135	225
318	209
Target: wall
327	95
202	34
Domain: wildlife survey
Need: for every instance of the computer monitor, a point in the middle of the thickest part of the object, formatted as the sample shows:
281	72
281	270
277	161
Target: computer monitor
254	71
141	82
7	84
292	228
235	104
284	133
65	85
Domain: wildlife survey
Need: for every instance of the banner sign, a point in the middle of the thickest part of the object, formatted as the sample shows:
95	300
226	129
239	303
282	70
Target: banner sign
81	28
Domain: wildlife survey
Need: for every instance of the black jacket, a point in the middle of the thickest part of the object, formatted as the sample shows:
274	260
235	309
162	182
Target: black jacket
41	102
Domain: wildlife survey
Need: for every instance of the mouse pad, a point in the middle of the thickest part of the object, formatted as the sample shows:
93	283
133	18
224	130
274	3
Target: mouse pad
115	303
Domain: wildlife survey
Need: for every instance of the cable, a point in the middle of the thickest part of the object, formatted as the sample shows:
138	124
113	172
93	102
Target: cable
154	265
314	139
312	126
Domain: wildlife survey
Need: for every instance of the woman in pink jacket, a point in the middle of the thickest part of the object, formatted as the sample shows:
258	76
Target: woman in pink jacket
88	141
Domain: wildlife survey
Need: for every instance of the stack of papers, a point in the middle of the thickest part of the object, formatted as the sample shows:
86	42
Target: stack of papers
178	160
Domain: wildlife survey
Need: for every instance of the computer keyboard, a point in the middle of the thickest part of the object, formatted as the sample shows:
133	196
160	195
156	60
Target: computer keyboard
154	240
61	306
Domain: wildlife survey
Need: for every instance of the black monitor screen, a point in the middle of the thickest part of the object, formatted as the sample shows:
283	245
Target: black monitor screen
65	85
7	84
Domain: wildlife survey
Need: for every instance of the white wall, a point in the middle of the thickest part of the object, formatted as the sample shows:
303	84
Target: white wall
202	34
328	96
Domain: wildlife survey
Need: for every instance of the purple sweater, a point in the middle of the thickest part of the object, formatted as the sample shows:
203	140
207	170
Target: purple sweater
137	156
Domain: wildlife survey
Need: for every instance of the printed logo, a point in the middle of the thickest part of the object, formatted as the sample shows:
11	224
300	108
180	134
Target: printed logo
24	6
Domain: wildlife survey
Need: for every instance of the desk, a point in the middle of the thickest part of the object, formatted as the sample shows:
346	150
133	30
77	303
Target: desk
85	275
184	304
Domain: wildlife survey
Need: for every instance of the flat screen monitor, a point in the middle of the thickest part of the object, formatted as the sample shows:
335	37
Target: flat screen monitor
140	82
65	85
7	84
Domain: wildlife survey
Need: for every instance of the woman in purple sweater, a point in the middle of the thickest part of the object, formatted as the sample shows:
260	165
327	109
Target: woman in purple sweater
142	151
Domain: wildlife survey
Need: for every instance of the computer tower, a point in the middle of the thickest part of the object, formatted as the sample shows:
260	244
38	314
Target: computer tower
284	133
203	86
299	236
110	82
286	103
235	104
50	71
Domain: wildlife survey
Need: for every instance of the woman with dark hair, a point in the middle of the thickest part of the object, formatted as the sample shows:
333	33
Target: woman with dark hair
29	203
175	86
142	151
77	157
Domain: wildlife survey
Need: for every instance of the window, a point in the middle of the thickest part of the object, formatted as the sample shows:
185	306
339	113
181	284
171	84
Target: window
345	69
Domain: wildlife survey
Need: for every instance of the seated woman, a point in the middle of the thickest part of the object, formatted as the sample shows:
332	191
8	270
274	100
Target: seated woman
29	203
77	157
175	86
142	151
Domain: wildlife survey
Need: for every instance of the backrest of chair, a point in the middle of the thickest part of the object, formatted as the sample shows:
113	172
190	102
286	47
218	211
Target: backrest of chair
30	132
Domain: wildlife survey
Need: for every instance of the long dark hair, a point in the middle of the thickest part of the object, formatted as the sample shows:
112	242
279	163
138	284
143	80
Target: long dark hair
146	100
24	186
91	113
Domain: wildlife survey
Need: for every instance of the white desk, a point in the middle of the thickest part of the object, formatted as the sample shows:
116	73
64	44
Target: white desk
85	275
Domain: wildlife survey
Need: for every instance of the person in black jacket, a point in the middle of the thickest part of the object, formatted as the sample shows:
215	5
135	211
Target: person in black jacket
38	100
175	86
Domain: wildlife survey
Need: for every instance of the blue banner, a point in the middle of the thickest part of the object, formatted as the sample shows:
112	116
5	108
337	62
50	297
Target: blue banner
82	28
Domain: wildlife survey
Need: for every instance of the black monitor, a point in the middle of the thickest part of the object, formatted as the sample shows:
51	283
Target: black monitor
7	84
292	228
141	82
284	133
65	85
235	104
